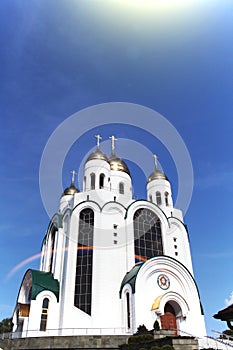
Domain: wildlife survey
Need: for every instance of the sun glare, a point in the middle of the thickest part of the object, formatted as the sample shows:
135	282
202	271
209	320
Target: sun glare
154	3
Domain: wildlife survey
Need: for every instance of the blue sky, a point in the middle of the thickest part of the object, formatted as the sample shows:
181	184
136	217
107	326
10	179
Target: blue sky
176	57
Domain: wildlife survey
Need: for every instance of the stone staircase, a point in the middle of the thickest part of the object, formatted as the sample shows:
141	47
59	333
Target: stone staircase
111	342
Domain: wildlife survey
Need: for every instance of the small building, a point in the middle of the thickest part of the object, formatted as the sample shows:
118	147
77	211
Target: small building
226	315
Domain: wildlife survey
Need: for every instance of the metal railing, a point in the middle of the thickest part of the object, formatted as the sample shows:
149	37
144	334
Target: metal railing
211	342
223	342
64	332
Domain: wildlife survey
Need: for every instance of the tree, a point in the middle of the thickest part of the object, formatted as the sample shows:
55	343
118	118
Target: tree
142	330
228	332
156	325
6	325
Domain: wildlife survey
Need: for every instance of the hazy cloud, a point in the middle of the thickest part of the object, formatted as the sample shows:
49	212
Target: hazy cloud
229	301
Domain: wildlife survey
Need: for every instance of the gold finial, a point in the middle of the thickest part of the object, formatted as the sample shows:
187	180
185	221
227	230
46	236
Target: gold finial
113	143
98	140
73	172
156	160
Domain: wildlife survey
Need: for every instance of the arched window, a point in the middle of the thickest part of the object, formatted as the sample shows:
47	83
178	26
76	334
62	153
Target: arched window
83	282
29	294
85	183
44	314
150	198
128	309
121	188
166	194
52	245
92	181
158	198
147	235
101	184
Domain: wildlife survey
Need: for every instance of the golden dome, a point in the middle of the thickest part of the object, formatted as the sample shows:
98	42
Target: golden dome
157	175
97	154
70	190
118	164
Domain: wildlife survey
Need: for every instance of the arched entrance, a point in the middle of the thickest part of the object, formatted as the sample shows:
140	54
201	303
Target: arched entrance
168	320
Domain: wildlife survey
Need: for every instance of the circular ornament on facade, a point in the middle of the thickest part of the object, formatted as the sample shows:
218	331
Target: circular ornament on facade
163	281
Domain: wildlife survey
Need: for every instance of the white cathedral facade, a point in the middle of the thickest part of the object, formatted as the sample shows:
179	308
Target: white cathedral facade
110	263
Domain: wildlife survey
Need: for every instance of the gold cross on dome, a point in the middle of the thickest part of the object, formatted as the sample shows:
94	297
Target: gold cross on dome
113	138
98	140
73	172
156	160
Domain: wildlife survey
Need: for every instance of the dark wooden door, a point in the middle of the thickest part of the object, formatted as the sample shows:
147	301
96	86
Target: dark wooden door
168	320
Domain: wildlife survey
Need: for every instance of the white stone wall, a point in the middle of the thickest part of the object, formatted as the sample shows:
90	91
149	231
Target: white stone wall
182	291
113	257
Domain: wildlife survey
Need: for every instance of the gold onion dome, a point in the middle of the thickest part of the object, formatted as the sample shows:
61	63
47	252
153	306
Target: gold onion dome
97	154
157	175
118	164
70	190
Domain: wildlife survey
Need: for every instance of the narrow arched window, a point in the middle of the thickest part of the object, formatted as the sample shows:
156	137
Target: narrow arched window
128	309
52	246
92	181
44	314
158	198
147	235
83	281
150	198
84	183
166	194
121	188
101	184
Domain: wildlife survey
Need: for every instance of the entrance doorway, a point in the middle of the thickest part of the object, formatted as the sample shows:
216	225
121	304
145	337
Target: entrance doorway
168	320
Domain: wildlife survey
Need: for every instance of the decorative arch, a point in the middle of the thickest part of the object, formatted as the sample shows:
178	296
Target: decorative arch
171	308
147	235
178	303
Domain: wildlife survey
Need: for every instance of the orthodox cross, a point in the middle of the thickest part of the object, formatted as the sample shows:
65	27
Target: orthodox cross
113	143
156	160
98	140
73	172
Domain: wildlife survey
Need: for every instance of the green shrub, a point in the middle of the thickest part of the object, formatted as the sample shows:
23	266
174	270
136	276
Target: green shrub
139	339
167	347
142	329
155	347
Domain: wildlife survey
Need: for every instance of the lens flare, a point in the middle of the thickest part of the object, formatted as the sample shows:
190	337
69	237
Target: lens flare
23	263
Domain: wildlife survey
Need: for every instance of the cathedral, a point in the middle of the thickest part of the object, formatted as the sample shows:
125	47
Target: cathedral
109	262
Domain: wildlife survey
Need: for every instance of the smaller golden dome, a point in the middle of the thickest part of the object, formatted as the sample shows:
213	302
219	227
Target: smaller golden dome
97	154
71	190
157	175
118	164
156	303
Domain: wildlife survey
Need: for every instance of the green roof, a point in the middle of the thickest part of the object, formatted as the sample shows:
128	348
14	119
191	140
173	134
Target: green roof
43	281
130	277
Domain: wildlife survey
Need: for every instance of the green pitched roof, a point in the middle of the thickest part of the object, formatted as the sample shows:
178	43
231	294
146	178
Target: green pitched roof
130	277
43	281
